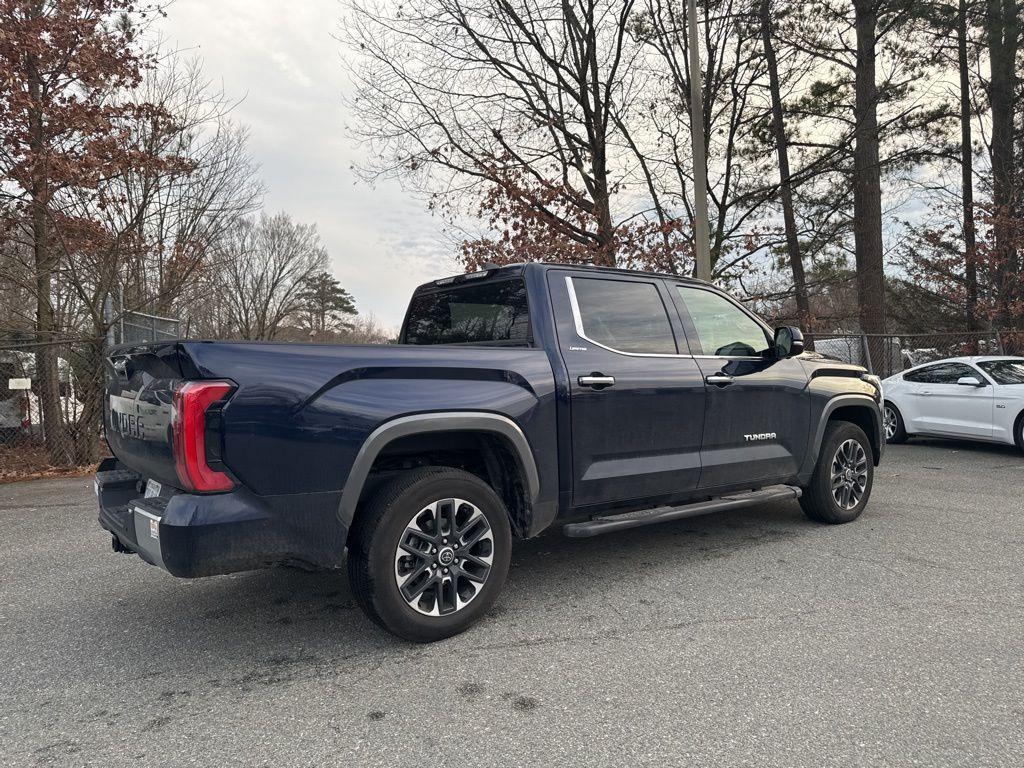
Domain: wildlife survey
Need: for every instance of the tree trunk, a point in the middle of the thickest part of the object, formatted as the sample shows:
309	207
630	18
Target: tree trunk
1002	32
604	254
90	394
867	186
47	375
967	179
796	261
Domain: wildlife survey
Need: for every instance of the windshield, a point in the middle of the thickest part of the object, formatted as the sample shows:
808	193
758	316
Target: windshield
1005	371
493	313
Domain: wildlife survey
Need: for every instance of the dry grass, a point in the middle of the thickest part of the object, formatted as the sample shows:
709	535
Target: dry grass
28	461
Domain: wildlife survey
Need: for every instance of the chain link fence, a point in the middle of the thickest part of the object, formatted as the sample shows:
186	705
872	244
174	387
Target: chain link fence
44	432
138	327
889	354
41	431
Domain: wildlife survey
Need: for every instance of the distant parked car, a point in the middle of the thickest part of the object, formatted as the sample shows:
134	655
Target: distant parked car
979	398
21	410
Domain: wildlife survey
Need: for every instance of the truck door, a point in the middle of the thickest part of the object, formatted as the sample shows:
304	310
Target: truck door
757	416
636	395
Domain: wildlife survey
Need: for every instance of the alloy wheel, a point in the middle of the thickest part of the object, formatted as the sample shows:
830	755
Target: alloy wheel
889	422
444	557
849	474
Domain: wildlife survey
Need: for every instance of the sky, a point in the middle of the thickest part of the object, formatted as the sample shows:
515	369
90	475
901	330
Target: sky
281	61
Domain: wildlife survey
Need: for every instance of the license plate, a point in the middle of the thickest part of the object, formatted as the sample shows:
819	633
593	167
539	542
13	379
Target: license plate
152	489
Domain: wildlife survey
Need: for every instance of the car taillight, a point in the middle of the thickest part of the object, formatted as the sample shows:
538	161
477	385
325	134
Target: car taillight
192	400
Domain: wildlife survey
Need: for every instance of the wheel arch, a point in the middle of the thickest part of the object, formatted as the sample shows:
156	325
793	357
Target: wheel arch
1018	438
861	410
888	401
489	445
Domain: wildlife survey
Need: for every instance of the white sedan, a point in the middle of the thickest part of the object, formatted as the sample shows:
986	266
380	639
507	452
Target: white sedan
979	398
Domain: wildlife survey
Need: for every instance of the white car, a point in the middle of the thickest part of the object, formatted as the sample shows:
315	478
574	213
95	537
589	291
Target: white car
979	398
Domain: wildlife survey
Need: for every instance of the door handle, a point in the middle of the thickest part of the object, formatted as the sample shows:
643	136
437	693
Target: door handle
719	379
597	381
926	392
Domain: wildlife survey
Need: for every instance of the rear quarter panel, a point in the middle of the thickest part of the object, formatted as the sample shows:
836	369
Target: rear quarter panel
301	412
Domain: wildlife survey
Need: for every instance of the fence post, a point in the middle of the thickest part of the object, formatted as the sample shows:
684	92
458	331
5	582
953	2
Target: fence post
867	353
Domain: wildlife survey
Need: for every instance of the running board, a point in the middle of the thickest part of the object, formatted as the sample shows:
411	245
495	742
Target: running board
599	525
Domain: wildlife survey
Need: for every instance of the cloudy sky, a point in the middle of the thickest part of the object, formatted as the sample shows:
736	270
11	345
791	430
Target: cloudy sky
280	58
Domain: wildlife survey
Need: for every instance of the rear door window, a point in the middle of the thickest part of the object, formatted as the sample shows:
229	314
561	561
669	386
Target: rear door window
494	313
623	315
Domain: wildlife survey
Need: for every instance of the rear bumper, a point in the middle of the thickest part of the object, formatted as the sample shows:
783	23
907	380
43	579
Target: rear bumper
191	535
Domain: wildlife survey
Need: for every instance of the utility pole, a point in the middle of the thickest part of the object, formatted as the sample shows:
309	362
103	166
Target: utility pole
701	230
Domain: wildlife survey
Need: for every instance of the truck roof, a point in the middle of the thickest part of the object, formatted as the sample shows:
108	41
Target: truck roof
544	266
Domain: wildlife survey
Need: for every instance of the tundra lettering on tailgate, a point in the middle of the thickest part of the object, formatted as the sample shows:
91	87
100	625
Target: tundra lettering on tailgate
142	421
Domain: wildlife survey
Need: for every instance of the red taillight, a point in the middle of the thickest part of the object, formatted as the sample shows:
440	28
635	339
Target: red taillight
191	402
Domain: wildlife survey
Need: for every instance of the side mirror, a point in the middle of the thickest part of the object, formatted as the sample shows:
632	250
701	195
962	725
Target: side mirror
789	341
969	381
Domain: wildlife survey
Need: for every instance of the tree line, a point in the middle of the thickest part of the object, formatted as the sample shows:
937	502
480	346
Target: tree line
126	186
863	155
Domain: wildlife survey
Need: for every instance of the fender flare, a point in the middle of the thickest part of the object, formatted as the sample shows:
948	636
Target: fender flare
417	424
840	401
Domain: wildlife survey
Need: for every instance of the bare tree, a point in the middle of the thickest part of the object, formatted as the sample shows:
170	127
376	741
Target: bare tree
265	265
778	122
518	102
154	224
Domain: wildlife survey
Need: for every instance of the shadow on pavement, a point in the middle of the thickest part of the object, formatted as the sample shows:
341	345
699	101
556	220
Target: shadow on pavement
264	627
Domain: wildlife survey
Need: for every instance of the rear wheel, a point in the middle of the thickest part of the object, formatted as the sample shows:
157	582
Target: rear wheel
892	423
841	485
430	553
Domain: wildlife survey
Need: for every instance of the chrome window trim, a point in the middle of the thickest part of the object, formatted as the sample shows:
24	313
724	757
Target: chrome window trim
728	357
577	319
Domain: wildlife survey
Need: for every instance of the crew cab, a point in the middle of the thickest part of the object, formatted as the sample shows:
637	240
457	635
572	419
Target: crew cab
516	399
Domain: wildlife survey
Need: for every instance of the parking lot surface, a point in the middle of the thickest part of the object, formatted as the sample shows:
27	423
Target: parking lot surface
745	638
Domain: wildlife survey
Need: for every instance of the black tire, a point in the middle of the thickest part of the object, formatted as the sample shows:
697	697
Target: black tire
1018	431
819	502
900	435
393	515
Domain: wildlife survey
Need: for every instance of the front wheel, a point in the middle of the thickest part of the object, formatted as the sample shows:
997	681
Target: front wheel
841	485
430	553
892	423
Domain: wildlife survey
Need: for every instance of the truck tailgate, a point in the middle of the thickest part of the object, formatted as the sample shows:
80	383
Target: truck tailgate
140	385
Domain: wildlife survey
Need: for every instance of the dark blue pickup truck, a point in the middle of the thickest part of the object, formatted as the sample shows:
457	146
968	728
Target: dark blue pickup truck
517	398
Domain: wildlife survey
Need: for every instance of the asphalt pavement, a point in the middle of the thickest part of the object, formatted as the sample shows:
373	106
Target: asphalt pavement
746	638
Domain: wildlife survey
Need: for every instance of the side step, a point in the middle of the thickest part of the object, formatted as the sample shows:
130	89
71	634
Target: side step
599	525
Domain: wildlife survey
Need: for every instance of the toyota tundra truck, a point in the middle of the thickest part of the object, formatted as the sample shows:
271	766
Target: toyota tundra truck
516	399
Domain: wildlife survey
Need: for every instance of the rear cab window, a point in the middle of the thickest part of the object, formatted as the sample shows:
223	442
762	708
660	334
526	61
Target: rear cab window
491	313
